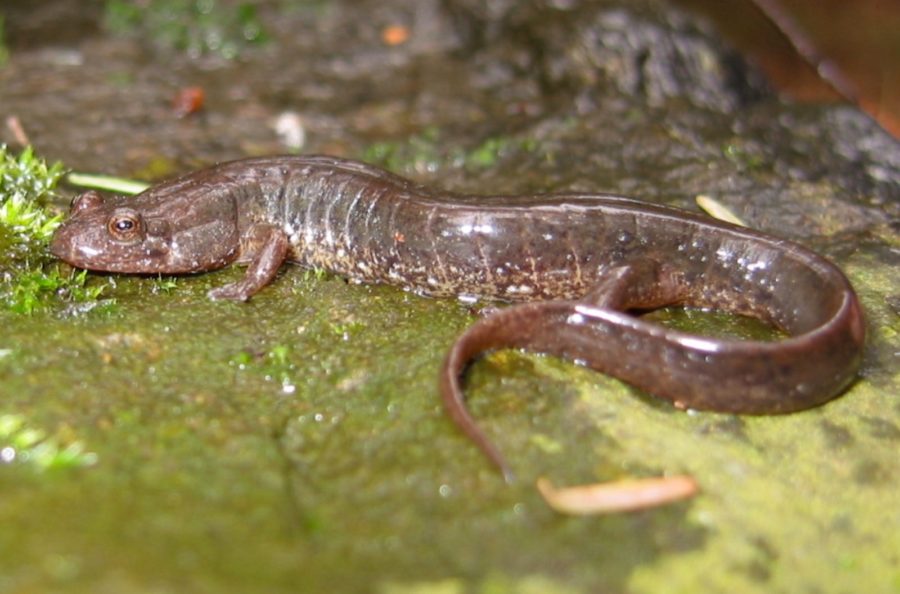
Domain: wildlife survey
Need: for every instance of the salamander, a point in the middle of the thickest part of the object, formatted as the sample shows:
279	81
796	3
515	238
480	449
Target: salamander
574	268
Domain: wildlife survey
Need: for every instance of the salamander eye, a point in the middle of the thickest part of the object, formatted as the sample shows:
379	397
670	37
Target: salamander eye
124	226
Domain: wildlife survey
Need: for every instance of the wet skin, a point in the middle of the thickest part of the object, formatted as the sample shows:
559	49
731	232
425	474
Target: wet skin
574	265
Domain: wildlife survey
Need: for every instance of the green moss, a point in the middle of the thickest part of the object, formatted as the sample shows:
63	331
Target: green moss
165	284
36	289
33	280
745	155
420	152
197	27
488	152
25	181
25	445
274	365
427	151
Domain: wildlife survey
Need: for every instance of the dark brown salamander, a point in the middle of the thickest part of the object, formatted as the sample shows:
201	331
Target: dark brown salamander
577	262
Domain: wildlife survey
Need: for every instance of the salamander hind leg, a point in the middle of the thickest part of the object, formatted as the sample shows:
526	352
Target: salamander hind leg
641	284
270	250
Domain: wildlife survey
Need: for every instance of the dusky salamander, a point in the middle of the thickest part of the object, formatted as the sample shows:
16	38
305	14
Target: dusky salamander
575	264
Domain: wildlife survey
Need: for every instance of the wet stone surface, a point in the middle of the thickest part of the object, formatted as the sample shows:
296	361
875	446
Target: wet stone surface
296	443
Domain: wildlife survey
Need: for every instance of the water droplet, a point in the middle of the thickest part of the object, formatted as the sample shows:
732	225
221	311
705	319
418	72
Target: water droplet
575	319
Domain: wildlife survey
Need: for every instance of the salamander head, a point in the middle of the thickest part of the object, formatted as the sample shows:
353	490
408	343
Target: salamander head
148	237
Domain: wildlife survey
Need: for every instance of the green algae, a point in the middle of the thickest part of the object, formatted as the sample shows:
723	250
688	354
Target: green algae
351	467
495	584
306	424
713	323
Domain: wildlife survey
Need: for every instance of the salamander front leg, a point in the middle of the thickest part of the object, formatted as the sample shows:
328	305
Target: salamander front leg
262	268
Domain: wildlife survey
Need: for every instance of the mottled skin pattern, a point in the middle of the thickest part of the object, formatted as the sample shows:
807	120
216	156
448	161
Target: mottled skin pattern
576	262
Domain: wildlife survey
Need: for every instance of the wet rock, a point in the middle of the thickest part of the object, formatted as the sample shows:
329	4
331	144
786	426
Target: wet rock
647	51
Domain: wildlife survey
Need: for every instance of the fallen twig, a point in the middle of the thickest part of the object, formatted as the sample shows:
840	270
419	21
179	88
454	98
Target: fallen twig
14	124
106	183
717	210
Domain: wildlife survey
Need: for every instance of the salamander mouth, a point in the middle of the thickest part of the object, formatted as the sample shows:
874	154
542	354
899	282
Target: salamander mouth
60	246
81	254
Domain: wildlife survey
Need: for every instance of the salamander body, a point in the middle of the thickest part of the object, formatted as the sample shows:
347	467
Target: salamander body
573	265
